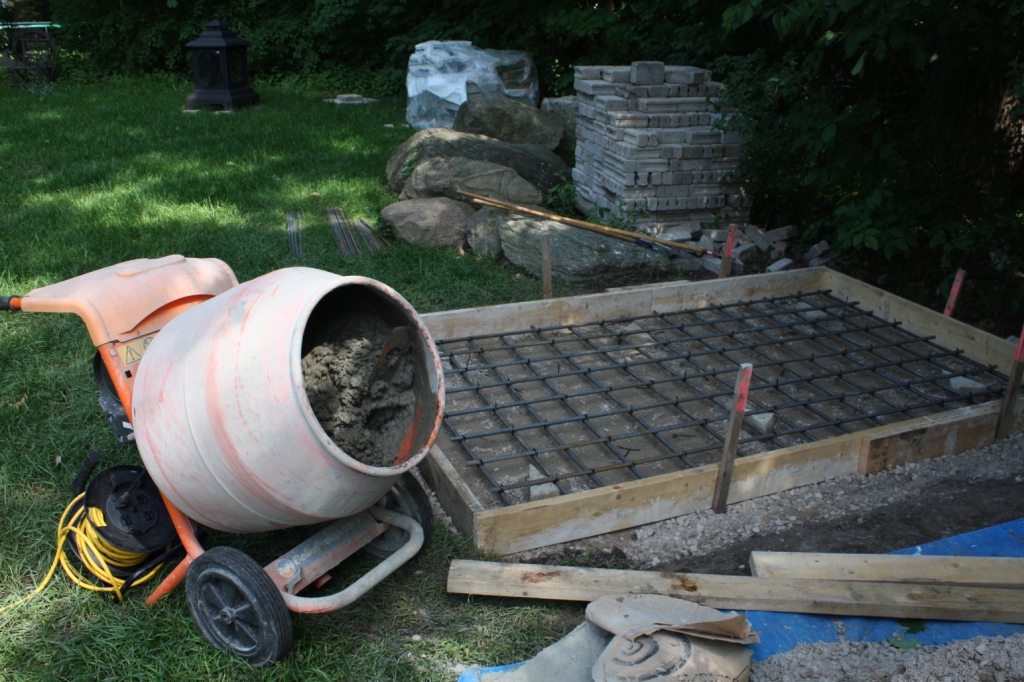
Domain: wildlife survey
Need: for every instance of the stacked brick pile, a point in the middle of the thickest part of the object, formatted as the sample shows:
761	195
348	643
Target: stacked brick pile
645	141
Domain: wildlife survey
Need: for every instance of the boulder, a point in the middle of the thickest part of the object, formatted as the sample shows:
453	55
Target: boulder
509	121
443	176
438	221
565	109
576	255
538	166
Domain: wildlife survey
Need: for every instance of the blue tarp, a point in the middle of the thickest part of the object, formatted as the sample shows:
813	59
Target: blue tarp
781	632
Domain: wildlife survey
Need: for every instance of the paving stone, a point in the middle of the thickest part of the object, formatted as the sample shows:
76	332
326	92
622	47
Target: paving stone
780	265
647	73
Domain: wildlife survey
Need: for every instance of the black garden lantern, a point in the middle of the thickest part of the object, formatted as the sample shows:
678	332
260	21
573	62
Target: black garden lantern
220	69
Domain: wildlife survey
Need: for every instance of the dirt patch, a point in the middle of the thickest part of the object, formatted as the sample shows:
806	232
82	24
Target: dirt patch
365	409
953	506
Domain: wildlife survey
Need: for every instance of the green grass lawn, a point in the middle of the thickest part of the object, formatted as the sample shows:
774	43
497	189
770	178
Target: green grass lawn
95	175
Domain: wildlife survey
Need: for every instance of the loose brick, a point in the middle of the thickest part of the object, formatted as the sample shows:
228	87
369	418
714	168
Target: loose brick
593	87
615	74
647	73
587	72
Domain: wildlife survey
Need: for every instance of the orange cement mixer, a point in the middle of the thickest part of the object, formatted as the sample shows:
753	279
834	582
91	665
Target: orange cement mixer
207	377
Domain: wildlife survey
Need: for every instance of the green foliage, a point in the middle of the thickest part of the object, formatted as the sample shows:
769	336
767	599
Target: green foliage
879	127
561	199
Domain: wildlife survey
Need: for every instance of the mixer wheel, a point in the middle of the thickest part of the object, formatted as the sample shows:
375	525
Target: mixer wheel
237	607
406	497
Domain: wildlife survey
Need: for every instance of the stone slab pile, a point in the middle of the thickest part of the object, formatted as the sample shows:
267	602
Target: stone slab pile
646	143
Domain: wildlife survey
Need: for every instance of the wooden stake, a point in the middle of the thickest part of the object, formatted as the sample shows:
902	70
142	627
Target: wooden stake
954	293
1010	399
593	227
545	257
726	268
732	437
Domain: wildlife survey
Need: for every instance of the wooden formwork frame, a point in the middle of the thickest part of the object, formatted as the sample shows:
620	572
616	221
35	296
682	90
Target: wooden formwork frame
570	517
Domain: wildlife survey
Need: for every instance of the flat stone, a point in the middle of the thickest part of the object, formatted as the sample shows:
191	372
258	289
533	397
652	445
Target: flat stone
780	233
780	265
965	385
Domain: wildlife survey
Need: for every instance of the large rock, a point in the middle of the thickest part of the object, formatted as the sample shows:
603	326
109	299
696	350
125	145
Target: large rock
538	166
509	121
443	177
439	221
576	255
483	228
565	109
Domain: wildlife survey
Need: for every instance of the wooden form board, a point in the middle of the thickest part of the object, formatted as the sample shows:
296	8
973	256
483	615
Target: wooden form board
541	523
960	570
791	595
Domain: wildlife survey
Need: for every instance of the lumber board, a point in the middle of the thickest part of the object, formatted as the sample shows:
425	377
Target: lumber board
946	433
613	305
978	345
565	518
829	597
960	570
452	492
592	512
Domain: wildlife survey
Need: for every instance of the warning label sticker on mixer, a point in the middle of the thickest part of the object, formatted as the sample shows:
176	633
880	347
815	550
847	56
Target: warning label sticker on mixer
133	351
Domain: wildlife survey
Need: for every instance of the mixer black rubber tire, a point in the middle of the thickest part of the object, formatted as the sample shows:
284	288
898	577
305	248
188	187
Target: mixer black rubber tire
237	607
406	497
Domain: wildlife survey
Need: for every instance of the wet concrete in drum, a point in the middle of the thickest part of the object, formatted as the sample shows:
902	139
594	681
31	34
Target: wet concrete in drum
365	409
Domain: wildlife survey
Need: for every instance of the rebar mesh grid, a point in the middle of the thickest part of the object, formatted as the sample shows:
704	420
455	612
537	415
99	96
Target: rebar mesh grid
561	409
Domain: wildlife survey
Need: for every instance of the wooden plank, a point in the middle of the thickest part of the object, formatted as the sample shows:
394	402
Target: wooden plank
946	433
978	345
452	492
592	512
831	597
962	570
612	305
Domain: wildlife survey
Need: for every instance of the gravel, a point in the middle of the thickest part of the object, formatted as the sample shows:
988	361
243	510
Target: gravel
982	659
696	534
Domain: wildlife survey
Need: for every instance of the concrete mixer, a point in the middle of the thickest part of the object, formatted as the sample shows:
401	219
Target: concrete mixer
298	398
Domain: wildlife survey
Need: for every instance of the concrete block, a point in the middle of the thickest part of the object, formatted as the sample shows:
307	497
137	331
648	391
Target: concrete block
781	233
647	73
615	74
689	75
965	384
816	251
758	236
587	72
621	119
764	421
685	263
609	103
780	265
593	87
657	91
542	491
824	261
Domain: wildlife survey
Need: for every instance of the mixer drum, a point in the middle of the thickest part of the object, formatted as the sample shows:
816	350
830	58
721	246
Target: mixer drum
221	414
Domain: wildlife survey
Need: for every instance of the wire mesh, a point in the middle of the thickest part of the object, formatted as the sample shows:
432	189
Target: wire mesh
555	410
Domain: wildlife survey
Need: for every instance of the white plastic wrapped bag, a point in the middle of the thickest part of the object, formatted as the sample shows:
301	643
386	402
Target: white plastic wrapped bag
443	74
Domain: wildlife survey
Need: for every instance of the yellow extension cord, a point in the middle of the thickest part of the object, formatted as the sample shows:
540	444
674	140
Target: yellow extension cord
97	555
